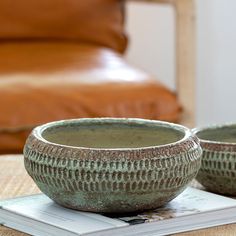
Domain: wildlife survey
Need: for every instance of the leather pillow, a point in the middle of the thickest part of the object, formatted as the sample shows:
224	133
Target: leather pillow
42	82
90	21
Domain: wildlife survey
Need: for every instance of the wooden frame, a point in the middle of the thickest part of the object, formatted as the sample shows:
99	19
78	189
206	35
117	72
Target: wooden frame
185	56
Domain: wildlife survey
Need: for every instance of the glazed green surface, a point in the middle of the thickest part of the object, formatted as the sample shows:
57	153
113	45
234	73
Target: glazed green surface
222	134
112	136
107	180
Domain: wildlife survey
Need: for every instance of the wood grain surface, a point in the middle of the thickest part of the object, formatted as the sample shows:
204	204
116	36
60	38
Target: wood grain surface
14	181
185	22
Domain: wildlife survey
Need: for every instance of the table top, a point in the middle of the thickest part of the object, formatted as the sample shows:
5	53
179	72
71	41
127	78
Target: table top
14	181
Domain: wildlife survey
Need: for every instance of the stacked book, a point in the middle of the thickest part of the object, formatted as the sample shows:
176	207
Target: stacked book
191	210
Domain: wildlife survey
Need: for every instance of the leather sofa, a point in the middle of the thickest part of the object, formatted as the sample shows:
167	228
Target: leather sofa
62	59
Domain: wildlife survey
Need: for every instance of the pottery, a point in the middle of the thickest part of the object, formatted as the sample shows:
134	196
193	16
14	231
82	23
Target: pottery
218	170
112	164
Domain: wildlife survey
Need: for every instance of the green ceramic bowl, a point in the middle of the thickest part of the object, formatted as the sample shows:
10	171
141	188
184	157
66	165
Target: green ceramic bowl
218	171
112	165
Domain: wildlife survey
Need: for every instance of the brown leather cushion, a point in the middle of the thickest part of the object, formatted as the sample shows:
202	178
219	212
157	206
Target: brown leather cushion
42	82
92	21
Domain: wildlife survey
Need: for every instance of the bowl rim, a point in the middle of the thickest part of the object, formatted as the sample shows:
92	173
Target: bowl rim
214	127
187	133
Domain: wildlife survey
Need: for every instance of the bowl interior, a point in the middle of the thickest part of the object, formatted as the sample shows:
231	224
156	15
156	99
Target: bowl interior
112	134
219	134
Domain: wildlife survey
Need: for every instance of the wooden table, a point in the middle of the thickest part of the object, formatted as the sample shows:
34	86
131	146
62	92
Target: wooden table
14	181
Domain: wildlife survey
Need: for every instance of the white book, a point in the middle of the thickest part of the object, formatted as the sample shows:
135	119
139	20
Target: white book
191	210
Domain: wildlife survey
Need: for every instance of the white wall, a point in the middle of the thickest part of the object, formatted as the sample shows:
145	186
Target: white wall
152	46
216	69
151	28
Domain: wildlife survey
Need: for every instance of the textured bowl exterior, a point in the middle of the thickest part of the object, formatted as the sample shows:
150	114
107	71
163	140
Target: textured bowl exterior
112	180
218	170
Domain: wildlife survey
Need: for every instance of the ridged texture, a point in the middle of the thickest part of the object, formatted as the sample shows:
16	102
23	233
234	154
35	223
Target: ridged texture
104	180
14	182
218	171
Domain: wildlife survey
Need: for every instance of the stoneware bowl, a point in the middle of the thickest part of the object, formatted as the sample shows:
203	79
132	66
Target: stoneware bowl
112	165
218	171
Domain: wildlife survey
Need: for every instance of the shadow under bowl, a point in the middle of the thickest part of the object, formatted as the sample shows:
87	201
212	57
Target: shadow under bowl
112	164
218	169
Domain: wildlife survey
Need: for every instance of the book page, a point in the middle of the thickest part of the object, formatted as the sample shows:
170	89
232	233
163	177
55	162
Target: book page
41	208
191	201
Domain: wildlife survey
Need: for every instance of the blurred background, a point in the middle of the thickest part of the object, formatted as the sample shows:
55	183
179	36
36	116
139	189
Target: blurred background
171	60
216	52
